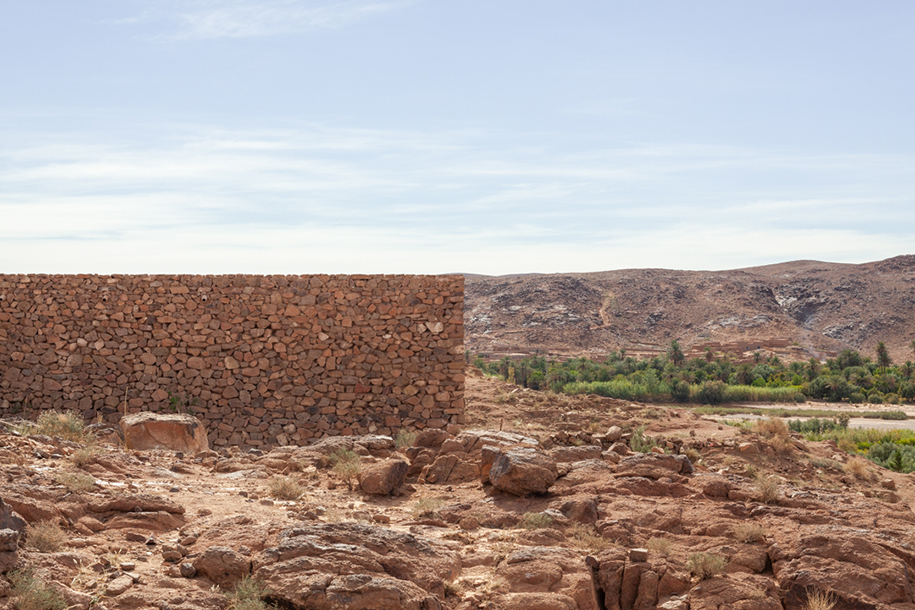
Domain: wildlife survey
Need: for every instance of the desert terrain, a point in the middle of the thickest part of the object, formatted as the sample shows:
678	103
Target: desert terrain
797	310
541	501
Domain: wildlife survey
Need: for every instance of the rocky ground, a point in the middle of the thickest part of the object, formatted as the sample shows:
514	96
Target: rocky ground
539	503
797	310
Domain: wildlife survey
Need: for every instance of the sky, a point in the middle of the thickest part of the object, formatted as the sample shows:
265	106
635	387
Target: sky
421	136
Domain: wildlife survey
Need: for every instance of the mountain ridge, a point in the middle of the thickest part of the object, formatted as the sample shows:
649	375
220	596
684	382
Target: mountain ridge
798	309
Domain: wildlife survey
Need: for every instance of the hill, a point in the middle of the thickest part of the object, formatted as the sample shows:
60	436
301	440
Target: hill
797	309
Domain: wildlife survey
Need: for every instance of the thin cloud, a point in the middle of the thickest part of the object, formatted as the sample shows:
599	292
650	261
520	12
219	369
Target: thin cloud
214	19
469	200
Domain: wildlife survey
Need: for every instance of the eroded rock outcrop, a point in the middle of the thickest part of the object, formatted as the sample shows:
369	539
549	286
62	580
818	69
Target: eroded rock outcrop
357	567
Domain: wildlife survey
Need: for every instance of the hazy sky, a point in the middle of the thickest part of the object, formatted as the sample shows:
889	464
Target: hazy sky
376	136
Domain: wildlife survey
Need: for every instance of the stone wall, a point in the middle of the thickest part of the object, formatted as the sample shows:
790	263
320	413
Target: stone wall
261	360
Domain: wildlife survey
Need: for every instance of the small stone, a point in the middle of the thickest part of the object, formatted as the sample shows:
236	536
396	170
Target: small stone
188	570
267	502
381	518
118	585
888	484
638	555
469	523
135	537
128	566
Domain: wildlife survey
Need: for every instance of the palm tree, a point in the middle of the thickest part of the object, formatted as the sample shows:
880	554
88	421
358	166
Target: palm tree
675	354
709	355
883	356
912	345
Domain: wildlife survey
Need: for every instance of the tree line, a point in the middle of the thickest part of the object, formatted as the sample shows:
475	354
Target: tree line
849	377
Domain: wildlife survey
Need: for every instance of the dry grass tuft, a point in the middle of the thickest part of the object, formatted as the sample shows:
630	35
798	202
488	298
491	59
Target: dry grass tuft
427	508
771	427
820	600
285	488
68	426
45	537
705	565
405	438
31	593
249	595
347	464
534	521
586	537
661	546
768	489
859	468
748	532
75	482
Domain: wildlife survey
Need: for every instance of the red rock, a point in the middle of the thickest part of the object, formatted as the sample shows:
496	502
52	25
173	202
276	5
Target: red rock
523	471
383	477
146	431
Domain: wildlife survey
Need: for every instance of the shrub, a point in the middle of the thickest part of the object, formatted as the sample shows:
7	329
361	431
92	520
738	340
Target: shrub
892	399
534	521
705	565
661	546
679	391
249	594
748	532
31	593
856	398
858	467
68	426
75	482
639	442
285	488
771	427
894	456
347	464
586	537
45	537
405	438
84	456
875	398
711	392
427	508
768	489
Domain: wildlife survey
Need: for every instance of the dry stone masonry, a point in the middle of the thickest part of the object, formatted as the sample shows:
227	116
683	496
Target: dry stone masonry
261	360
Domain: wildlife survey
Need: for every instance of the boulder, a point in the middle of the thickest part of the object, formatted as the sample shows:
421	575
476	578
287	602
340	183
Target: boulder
10	519
147	431
653	465
356	566
222	565
382	478
614	433
523	471
451	468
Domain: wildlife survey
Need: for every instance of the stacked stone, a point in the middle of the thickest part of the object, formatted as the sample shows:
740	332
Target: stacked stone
261	360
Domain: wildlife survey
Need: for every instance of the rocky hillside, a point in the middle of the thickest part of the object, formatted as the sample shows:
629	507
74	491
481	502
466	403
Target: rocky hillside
798	309
544	506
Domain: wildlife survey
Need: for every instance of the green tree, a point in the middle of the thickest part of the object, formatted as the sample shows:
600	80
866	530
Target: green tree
675	354
883	356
